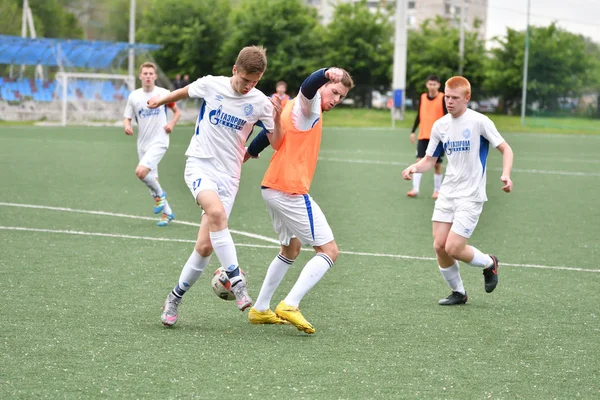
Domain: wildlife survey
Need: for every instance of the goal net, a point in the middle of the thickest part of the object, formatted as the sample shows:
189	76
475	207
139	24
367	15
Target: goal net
90	99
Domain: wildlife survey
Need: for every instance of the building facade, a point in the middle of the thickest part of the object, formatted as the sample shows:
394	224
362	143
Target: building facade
420	10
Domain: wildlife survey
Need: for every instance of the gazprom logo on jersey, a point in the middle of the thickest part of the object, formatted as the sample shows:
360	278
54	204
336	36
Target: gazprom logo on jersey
217	117
453	146
147	112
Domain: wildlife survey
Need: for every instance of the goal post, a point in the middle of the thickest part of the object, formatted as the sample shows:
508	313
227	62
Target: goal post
92	97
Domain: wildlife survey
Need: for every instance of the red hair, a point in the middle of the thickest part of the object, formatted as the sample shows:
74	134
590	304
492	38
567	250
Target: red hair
459	82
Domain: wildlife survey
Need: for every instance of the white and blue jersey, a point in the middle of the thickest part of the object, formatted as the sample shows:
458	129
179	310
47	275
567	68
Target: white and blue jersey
151	122
225	122
466	141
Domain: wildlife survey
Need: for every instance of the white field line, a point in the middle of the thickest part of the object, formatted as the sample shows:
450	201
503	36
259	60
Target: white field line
110	214
408	157
162	239
531	171
260	246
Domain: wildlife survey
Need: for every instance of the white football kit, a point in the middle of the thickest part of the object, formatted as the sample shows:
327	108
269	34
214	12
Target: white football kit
152	141
466	141
226	120
298	215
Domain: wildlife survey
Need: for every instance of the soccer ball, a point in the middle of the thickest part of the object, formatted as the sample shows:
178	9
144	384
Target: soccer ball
222	286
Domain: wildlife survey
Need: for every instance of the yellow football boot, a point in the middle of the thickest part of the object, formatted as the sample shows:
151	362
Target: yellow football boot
294	316
264	317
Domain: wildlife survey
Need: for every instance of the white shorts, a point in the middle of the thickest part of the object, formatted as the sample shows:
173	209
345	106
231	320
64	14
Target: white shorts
151	157
297	215
201	174
462	214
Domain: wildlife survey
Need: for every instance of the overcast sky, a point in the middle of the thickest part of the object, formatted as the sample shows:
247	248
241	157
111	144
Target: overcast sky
577	16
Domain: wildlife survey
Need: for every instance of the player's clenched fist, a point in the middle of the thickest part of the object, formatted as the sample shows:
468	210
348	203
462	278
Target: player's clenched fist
335	75
154	102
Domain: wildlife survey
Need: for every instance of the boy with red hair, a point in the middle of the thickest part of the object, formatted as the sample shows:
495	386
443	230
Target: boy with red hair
465	136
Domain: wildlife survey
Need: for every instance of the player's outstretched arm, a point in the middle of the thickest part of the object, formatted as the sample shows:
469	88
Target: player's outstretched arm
172	97
507	163
424	164
313	83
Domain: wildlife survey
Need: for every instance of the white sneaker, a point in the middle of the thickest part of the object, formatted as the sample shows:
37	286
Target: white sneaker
169	315
242	299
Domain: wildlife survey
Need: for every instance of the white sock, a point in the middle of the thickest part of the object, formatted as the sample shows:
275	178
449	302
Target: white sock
452	277
153	184
167	209
416	178
437	182
153	173
190	273
312	273
481	260
224	248
277	270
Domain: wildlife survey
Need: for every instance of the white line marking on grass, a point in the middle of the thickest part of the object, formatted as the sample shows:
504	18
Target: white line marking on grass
260	246
557	159
110	214
531	171
82	233
502	264
405	155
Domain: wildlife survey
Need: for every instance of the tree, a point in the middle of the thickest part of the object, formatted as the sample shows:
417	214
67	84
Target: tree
504	71
191	33
593	52
117	25
290	32
51	19
105	20
433	50
10	18
561	65
361	42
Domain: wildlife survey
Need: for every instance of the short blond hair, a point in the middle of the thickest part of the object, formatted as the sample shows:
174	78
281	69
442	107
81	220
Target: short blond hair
347	80
147	64
459	82
252	60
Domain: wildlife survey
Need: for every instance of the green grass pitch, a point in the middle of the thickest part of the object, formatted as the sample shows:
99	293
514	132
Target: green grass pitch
82	292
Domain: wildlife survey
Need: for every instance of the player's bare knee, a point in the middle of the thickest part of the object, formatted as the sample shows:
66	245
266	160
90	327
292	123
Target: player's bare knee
204	248
330	249
333	253
453	250
216	216
141	172
439	247
290	252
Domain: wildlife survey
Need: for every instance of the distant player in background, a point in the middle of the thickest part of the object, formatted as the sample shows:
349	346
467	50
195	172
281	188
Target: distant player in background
230	108
280	93
153	136
465	136
296	217
431	108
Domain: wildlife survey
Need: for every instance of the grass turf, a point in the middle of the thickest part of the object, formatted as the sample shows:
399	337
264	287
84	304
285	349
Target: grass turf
82	312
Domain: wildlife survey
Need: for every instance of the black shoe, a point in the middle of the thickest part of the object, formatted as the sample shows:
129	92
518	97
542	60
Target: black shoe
454	299
490	275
